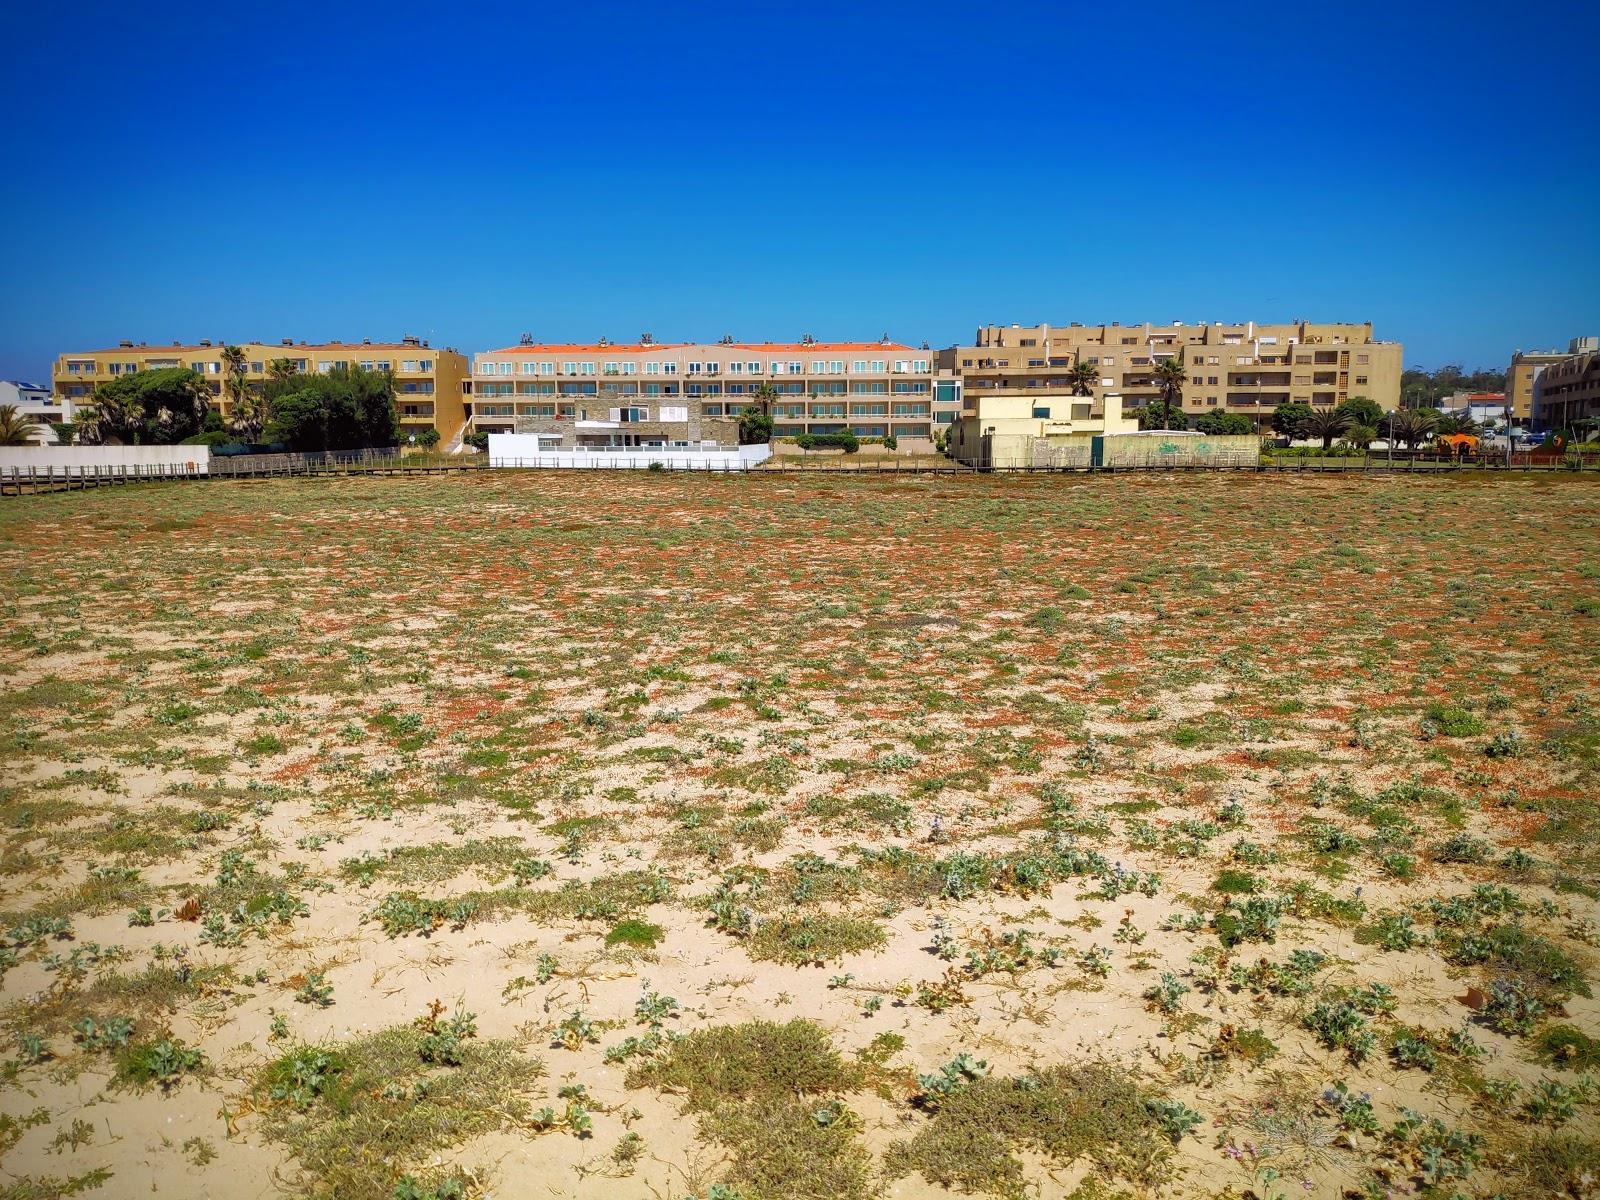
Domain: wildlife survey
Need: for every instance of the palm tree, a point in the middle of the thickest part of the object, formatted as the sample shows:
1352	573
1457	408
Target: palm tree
246	415
1327	424
1084	376
1410	426
117	416
15	429
280	369
1170	374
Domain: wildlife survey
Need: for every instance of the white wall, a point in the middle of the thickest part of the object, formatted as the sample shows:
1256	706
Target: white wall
105	460
523	450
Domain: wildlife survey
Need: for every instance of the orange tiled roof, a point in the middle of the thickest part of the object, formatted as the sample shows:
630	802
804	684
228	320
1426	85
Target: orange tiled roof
642	348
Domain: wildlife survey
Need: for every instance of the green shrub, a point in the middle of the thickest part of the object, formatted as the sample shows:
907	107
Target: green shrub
1093	1112
641	935
163	1062
1454	721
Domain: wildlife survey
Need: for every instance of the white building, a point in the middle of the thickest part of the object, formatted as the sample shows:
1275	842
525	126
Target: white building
37	406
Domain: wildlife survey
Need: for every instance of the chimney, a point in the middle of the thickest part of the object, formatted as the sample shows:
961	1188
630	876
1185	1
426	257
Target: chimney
424	343
647	339
287	342
205	341
126	345
366	341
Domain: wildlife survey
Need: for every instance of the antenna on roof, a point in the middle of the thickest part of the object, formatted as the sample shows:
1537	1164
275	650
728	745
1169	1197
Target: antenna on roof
885	336
526	340
806	339
603	341
725	340
647	339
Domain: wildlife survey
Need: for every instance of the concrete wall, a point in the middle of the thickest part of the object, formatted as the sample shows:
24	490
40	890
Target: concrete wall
1158	449
105	460
523	450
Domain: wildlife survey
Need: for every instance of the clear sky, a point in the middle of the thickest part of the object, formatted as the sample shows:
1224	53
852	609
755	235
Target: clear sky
467	172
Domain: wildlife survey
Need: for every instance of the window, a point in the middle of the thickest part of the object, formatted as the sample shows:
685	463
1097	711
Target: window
753	367
777	367
1041	412
528	368
1361	380
669	368
835	367
920	366
586	368
425	365
1363	358
735	368
859	367
878	366
694	368
901	366
629	368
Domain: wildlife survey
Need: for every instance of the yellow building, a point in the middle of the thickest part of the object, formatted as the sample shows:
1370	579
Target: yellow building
1042	430
1524	370
428	382
1245	367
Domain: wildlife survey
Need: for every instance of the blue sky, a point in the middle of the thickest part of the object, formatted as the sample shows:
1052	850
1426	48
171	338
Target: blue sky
469	172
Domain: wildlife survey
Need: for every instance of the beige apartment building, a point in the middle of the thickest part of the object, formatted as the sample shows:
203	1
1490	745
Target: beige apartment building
687	394
1524	370
1566	393
428	381
1245	367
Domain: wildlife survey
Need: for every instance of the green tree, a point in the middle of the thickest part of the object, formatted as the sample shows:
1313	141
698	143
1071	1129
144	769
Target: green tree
15	429
1410	426
1161	413
428	438
1219	423
755	426
755	419
1361	435
65	431
1327	424
1451	423
1171	374
248	406
160	407
1290	417
1363	410
1084	375
346	409
281	369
